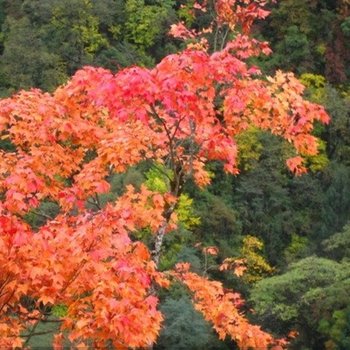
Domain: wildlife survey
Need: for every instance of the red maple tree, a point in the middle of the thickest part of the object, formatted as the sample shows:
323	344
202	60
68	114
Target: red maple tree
183	113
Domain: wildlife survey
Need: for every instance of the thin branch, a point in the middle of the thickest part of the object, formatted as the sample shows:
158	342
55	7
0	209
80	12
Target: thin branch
177	127
39	213
78	269
98	202
212	267
224	38
179	179
170	138
156	115
95	201
216	38
92	203
74	276
47	320
162	171
7	300
30	335
4	284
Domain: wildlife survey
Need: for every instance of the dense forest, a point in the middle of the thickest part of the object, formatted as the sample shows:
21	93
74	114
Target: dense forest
291	233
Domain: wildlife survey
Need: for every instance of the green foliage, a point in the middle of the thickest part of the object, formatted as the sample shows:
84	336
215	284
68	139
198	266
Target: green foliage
144	23
77	29
158	178
292	12
303	34
338	132
303	297
219	224
190	255
257	266
59	310
186	14
317	91
6	145
345	26
297	248
38	12
2	19
120	55
107	12
293	50
185	328
337	246
335	204
185	212
39	216
337	328
250	148
26	61
173	249
263	200
319	161
315	84
59	36
133	176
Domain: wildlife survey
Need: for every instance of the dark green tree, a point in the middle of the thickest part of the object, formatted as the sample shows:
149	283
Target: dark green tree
26	61
305	298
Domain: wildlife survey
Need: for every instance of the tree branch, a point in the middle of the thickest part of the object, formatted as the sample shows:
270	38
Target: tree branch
223	42
31	333
167	131
39	213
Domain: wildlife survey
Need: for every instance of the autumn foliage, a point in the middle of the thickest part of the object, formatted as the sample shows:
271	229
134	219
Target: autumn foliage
183	113
222	309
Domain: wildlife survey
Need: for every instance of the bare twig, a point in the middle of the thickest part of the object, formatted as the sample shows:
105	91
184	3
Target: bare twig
39	213
31	333
223	42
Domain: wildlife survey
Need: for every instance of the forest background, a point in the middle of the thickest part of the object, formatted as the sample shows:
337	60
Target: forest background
292	231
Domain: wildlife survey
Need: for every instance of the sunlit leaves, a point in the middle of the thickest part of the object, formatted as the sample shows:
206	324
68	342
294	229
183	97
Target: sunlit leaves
89	264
